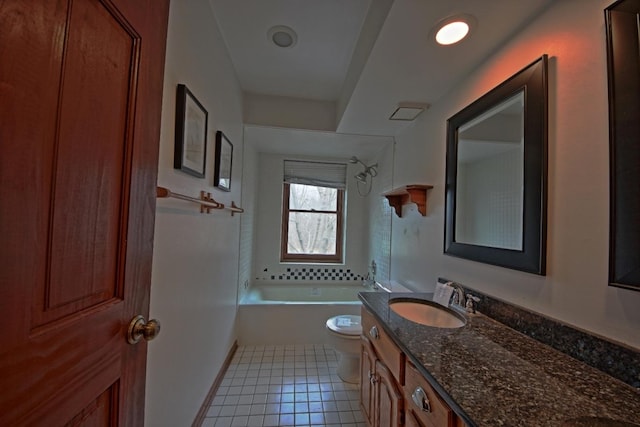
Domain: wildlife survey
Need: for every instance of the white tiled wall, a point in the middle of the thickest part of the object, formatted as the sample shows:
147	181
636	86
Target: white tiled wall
247	224
380	216
495	201
266	253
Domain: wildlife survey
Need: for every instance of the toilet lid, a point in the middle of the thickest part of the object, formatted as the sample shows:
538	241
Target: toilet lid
345	324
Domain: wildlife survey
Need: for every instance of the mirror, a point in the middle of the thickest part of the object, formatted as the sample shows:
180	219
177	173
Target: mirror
623	60
496	175
489	180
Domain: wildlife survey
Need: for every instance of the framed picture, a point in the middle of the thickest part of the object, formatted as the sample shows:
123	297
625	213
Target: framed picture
190	152
224	158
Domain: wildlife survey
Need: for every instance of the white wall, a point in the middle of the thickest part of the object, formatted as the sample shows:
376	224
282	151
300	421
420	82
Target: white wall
281	111
269	205
575	288
194	281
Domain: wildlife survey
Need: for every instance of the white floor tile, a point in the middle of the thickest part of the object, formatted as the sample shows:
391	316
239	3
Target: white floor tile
223	421
290	385
270	420
242	410
227	411
241	421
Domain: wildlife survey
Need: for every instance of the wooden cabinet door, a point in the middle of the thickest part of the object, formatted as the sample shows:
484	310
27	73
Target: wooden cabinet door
367	371
410	420
388	398
81	95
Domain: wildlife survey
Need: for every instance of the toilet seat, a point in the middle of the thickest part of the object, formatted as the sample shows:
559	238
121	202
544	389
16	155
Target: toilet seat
346	325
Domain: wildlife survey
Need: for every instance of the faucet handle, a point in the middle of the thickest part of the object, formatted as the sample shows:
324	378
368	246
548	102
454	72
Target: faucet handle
470	306
457	297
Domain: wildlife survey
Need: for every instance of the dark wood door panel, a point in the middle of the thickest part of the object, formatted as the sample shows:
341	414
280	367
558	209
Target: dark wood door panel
96	412
88	215
84	354
28	87
81	93
101	412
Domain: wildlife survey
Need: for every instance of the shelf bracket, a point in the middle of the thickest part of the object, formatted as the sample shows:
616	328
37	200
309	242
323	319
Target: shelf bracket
415	193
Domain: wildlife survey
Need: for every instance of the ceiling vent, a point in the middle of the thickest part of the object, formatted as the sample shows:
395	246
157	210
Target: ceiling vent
407	111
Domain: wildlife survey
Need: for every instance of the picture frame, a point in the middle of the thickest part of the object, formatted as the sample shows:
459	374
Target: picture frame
223	162
190	153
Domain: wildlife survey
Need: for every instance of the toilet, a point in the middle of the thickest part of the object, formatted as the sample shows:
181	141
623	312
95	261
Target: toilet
344	335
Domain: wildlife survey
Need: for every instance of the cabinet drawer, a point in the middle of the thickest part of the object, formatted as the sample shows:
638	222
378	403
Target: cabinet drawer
385	348
435	412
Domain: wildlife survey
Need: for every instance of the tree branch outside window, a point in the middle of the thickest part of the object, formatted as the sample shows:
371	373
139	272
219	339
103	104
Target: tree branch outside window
312	223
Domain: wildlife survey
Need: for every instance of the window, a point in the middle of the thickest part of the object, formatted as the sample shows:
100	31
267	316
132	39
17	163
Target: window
313	212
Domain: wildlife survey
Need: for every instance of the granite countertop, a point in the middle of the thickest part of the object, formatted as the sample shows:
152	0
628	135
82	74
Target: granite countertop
492	375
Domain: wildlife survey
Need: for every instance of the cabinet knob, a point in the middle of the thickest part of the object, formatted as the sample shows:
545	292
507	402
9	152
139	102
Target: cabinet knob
421	400
374	333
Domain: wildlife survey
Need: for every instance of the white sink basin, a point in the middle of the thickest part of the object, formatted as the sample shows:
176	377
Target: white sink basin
427	313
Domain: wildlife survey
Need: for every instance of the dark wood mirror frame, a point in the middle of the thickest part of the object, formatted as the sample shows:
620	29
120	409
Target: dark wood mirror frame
532	258
623	65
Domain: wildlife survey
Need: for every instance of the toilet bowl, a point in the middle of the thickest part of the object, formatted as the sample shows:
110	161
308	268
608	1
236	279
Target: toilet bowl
344	335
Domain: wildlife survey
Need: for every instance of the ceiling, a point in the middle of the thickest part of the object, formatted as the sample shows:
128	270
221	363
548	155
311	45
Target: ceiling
366	56
300	142
315	67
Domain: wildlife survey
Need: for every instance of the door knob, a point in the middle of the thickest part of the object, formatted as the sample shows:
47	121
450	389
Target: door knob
140	328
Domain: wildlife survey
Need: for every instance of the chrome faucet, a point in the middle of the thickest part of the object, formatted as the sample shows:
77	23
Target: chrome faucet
462	301
369	282
458	299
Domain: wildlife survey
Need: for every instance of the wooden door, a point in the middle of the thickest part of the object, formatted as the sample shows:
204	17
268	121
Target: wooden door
80	103
367	370
388	399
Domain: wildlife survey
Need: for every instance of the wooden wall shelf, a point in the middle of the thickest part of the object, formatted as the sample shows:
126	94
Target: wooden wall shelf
414	193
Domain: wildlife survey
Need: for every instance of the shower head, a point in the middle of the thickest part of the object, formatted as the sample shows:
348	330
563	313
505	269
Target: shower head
362	177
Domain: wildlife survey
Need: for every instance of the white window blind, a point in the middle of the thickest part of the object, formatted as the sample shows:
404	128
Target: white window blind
321	174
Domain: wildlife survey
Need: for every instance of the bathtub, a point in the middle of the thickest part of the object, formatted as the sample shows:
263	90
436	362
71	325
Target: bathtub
278	313
303	294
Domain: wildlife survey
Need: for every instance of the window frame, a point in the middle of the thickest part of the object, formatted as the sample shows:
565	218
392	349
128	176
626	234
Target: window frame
285	256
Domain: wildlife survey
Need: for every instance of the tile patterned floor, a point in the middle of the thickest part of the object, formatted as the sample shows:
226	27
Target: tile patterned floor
284	385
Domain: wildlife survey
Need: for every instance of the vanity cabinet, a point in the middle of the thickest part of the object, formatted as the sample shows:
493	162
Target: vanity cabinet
392	390
367	370
424	407
381	376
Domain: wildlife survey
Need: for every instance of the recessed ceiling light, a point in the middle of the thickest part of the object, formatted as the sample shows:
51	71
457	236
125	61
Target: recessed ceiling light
282	36
452	33
453	29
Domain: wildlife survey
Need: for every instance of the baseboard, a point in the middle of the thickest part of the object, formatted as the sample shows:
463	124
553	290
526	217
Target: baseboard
202	413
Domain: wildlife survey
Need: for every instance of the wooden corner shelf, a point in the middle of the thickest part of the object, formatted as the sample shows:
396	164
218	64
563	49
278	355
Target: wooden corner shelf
414	193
